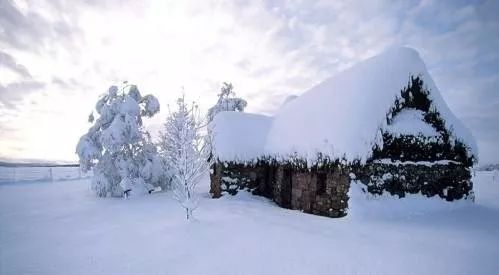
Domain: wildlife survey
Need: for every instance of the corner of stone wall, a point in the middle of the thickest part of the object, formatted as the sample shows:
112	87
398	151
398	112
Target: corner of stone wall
215	180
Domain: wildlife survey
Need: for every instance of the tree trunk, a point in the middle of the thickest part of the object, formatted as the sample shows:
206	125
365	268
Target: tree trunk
187	209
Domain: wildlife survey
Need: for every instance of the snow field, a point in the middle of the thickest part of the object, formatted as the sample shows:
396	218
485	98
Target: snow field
62	228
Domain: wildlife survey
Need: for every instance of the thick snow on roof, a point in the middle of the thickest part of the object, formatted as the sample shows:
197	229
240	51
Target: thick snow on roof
410	122
239	136
342	116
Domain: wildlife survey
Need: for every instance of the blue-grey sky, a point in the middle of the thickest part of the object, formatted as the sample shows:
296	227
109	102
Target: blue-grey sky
57	56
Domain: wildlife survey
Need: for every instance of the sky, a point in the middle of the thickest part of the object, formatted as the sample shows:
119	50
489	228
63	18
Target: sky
57	57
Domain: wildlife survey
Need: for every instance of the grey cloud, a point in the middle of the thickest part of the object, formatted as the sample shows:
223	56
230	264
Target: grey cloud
9	62
71	85
31	31
20	30
15	92
244	64
66	83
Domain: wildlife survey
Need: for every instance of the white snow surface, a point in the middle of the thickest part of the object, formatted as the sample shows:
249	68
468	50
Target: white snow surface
63	228
239	136
342	116
425	163
410	122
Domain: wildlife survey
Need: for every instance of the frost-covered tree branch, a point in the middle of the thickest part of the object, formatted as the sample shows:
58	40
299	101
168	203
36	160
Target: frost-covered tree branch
227	101
184	148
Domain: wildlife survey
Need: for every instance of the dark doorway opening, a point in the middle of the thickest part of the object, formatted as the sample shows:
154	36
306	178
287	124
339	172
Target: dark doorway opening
286	188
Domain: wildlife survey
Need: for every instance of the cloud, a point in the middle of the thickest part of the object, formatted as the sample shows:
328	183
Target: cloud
21	30
267	49
34	25
9	62
68	84
17	91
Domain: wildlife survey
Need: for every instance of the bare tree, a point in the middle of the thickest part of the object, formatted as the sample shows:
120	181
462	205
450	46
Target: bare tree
185	149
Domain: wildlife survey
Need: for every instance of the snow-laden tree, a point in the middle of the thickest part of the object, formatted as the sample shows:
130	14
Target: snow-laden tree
117	147
227	101
184	148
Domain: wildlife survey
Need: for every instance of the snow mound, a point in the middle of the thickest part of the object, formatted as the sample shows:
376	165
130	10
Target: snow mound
363	205
239	136
411	122
342	116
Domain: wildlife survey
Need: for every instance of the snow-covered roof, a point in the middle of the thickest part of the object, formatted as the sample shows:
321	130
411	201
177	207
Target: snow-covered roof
340	117
239	136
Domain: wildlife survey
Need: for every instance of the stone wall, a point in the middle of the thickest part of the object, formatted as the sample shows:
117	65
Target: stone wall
325	191
230	178
317	191
448	181
320	192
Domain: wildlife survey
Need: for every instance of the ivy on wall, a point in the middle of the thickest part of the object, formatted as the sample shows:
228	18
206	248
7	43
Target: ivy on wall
420	148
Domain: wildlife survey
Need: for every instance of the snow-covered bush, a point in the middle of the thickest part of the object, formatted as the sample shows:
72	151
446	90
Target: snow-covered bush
184	148
117	147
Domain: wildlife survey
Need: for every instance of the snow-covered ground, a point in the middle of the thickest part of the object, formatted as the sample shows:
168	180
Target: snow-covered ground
62	228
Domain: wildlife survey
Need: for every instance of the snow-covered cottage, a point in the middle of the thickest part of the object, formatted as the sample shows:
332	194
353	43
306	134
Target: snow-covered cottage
382	122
